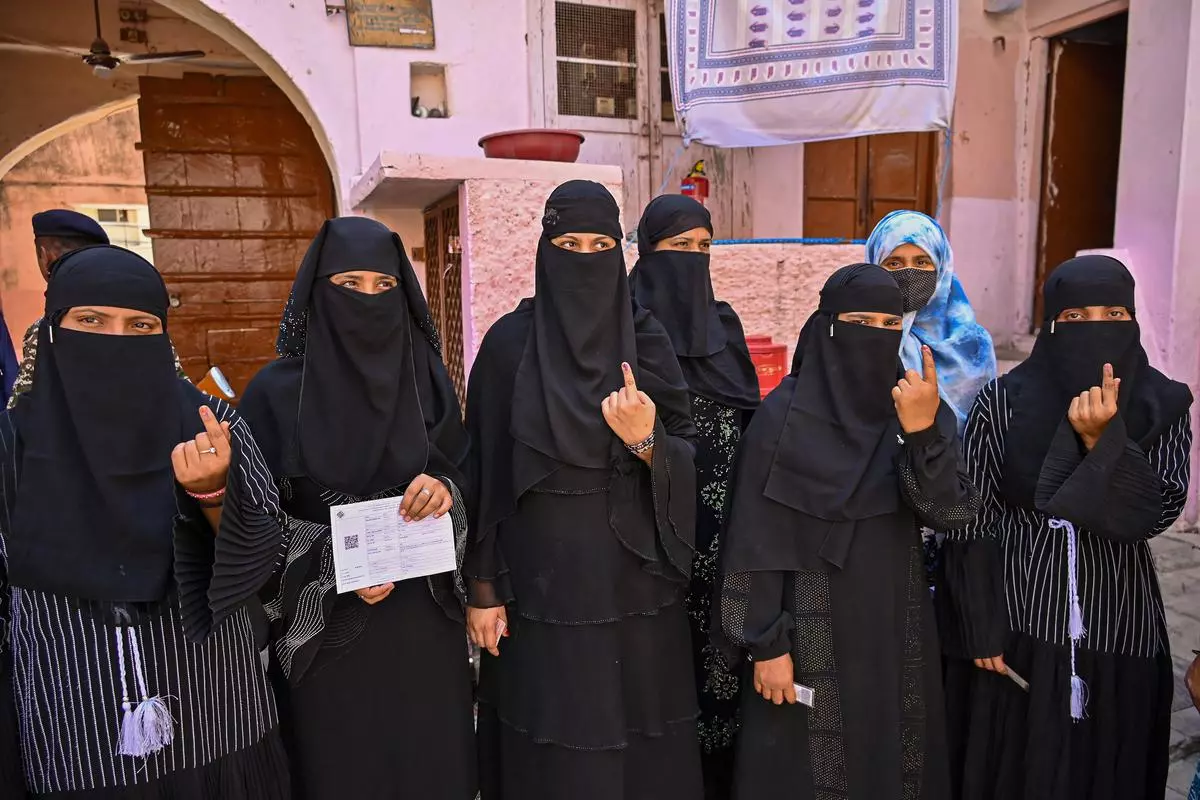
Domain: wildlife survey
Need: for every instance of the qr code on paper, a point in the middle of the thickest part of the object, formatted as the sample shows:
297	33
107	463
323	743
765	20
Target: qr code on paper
351	542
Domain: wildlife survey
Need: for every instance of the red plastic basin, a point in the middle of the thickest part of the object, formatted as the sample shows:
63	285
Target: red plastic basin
533	145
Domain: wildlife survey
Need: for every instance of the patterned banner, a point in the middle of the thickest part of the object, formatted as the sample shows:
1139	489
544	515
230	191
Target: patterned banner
747	73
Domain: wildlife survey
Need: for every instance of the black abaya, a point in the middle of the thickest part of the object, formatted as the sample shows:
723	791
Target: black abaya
376	700
861	635
592	696
1003	591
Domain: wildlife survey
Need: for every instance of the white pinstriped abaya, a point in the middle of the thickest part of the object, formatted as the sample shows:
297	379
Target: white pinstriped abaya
196	647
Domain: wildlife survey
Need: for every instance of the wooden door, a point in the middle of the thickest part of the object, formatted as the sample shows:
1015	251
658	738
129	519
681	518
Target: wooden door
443	286
1082	153
851	184
236	186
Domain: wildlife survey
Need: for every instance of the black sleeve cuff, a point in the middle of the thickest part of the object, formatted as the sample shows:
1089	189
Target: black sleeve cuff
921	438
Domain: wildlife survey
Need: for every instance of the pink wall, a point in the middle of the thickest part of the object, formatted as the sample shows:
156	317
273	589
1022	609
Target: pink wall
774	287
1152	129
96	165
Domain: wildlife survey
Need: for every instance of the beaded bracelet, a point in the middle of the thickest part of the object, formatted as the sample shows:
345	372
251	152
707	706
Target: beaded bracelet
206	495
642	446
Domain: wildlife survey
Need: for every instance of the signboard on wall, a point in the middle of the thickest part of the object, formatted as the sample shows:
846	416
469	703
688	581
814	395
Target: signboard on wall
394	23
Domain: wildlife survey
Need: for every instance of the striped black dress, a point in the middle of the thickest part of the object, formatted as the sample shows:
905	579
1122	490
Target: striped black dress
1004	590
73	660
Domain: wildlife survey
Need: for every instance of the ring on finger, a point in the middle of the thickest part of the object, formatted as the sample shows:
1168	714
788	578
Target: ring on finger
212	451
425	490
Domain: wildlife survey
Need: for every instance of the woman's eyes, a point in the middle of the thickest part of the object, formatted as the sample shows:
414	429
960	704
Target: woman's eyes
892	323
386	286
1117	313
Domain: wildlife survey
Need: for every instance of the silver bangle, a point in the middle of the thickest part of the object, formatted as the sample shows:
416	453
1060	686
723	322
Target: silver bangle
642	446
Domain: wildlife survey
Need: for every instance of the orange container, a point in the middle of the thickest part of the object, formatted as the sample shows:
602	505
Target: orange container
770	361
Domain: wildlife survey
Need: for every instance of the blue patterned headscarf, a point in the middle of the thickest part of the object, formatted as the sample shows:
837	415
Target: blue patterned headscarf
962	349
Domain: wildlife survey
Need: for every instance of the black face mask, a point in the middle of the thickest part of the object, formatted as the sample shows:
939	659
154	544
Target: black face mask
863	369
1079	351
916	286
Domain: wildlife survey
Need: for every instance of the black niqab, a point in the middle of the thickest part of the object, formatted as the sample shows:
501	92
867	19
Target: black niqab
676	287
359	374
834	460
1068	358
96	494
582	331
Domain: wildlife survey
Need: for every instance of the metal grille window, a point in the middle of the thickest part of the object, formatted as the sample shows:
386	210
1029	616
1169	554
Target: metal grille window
596	61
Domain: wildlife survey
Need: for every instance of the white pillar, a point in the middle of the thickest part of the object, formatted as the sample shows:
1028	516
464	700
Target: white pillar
1183	292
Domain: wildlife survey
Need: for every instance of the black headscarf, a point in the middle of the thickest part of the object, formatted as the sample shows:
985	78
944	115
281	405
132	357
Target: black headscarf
359	391
1068	358
96	493
582	332
834	457
819	455
677	288
542	371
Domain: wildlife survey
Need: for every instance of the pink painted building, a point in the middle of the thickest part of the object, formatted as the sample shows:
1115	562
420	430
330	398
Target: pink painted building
1075	127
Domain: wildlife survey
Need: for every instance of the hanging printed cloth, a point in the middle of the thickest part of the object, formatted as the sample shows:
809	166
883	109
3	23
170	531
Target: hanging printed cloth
749	73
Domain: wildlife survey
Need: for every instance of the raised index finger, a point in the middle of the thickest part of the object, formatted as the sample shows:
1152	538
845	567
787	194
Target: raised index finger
216	433
1108	387
630	383
928	365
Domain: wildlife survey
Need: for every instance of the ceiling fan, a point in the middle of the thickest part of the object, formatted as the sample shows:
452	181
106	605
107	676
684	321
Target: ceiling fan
102	61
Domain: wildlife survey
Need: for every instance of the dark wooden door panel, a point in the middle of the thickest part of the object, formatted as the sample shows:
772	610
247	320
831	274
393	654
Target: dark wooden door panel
1082	153
851	184
236	186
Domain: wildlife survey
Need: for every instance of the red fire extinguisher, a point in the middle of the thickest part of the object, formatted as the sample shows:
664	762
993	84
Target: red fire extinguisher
695	185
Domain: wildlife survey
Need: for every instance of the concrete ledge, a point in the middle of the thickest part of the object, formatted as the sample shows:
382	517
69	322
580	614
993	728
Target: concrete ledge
416	180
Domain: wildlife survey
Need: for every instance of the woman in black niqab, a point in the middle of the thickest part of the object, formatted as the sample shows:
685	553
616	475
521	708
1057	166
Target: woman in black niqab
581	547
672	281
116	474
357	407
1056	581
822	584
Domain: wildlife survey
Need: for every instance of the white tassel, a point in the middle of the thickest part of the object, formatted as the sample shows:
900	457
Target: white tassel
149	727
1078	698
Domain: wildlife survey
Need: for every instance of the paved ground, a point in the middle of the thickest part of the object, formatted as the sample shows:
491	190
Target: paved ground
1177	554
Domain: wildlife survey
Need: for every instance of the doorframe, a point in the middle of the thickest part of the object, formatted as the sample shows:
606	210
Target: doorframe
1031	146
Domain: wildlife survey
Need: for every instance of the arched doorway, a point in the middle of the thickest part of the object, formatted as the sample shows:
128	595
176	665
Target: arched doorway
237	181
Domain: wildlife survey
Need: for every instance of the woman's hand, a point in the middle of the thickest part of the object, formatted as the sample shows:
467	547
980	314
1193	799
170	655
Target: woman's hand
916	396
374	594
1092	410
629	412
487	626
773	679
993	664
202	464
425	496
